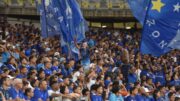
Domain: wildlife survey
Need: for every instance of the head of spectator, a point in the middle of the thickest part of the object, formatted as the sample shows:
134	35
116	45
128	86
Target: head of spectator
18	84
29	93
43	85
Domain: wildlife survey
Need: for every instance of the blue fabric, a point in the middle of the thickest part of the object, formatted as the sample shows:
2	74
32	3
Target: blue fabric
96	98
28	52
5	57
130	98
38	94
63	18
40	66
48	71
91	43
66	72
98	70
14	94
132	78
55	68
11	67
85	57
160	77
161	32
138	8
175	82
148	74
114	97
21	76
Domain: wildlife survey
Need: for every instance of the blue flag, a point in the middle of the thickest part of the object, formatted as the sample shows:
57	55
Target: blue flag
161	32
63	18
139	8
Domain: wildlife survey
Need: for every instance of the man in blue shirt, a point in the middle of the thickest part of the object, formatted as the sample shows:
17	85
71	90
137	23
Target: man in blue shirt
48	70
132	77
132	96
160	76
16	90
5	88
98	95
23	72
41	93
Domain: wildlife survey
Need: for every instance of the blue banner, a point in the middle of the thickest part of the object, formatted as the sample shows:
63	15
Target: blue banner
139	8
161	32
64	18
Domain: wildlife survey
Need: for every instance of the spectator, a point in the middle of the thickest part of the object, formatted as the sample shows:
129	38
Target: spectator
4	89
115	95
28	94
16	92
41	93
133	94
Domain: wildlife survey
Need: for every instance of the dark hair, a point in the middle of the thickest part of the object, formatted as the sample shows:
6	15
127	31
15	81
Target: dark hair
3	79
84	91
132	89
52	83
75	87
31	57
98	86
27	91
63	88
155	94
115	90
170	94
115	84
93	87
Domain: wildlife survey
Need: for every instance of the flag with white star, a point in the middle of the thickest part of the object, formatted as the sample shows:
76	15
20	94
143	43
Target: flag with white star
161	32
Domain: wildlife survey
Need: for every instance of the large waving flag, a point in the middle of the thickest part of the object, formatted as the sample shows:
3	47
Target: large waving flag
161	31
64	18
139	8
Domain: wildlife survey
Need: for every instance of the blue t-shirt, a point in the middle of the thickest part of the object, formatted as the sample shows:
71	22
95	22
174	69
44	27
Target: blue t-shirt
5	57
21	76
132	78
175	82
55	68
131	98
160	77
38	94
95	97
114	97
48	71
14	94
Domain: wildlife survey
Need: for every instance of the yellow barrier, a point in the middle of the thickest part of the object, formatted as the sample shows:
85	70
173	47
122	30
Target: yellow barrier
20	2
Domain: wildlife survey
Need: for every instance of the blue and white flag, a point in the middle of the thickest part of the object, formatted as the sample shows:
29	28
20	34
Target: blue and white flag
161	32
64	18
139	8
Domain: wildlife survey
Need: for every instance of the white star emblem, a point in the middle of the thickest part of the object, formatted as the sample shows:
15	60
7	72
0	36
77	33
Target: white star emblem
176	7
50	15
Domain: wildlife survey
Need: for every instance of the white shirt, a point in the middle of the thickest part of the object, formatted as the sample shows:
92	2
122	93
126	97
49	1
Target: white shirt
50	92
76	75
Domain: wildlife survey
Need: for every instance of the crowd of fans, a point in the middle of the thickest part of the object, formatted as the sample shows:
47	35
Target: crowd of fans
110	68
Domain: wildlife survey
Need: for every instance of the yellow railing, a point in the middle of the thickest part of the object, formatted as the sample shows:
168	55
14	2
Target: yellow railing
85	4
